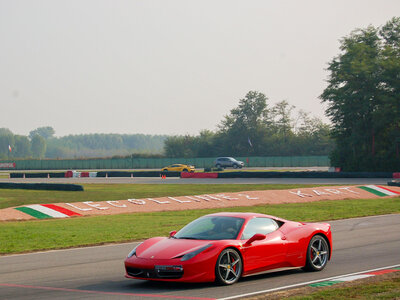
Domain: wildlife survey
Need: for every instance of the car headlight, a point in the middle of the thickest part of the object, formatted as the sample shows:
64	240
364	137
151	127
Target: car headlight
133	252
192	254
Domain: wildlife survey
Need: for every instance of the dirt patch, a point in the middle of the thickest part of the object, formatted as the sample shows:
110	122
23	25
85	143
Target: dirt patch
248	198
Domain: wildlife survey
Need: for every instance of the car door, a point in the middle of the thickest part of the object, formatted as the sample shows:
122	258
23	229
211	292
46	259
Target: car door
269	253
174	168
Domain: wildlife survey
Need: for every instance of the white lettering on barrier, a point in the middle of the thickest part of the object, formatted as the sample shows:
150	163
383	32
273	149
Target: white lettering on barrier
159	202
95	205
180	201
300	194
249	197
74	206
139	202
116	203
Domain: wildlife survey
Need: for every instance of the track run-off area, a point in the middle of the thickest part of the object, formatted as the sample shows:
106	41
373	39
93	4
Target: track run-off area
360	245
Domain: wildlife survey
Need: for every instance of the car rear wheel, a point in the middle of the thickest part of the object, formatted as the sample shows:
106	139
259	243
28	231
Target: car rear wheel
229	267
317	254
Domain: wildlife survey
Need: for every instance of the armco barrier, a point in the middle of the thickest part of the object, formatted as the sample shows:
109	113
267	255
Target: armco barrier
198	175
137	174
41	186
244	174
158	163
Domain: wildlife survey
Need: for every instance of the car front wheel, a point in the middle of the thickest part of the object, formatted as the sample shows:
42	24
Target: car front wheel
229	267
317	254
235	166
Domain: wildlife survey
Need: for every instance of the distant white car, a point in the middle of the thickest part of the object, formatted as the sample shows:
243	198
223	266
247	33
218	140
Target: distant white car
223	162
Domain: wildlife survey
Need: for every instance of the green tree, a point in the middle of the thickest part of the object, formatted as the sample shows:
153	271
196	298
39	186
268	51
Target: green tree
241	131
6	139
22	147
45	132
38	146
363	99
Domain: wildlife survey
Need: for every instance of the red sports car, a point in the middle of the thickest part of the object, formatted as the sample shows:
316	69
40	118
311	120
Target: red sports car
223	247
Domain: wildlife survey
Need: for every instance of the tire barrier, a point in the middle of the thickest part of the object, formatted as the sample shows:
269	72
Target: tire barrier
41	186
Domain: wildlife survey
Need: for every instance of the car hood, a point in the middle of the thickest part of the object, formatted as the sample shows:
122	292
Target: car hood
167	248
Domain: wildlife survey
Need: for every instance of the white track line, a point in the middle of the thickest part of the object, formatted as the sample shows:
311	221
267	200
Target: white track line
305	283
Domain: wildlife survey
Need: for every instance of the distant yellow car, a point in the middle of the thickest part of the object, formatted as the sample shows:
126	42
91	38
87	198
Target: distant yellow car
178	168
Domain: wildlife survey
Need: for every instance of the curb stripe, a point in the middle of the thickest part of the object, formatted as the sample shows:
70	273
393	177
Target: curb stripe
62	210
34	213
383	272
48	211
354	277
377	188
385	188
324	283
375	192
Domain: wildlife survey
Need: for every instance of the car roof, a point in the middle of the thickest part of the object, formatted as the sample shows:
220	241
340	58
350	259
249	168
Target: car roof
244	215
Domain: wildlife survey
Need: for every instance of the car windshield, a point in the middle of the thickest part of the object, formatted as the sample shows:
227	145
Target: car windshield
211	228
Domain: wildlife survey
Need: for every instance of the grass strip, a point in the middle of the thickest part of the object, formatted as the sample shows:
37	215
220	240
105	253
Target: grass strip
377	289
105	192
17	237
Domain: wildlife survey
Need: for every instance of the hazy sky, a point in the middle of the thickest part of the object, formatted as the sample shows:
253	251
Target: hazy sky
165	66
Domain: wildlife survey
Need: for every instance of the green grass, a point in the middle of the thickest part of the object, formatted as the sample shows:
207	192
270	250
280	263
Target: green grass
384	289
105	192
16	237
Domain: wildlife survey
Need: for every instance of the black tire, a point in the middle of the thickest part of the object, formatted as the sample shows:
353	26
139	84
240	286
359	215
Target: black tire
235	166
317	254
184	170
229	267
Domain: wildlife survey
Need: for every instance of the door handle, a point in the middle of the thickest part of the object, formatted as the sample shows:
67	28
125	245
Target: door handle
283	237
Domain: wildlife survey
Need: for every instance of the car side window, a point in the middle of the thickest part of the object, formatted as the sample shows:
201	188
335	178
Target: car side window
259	225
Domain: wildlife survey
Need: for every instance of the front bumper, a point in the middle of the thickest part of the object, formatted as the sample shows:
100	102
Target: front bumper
193	270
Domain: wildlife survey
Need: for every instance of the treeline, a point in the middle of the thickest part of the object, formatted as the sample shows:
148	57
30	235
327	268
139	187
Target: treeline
41	143
363	98
256	129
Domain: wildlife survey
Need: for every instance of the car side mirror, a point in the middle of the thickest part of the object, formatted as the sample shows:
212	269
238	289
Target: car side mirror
256	237
172	233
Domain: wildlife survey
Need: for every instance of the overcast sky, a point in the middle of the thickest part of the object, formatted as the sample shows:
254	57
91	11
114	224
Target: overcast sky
165	66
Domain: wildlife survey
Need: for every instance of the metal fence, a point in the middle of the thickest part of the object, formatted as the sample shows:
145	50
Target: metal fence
157	163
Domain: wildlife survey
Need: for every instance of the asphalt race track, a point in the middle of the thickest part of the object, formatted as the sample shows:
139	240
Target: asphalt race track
97	272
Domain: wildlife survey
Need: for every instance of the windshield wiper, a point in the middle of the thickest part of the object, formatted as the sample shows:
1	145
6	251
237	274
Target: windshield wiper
187	238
